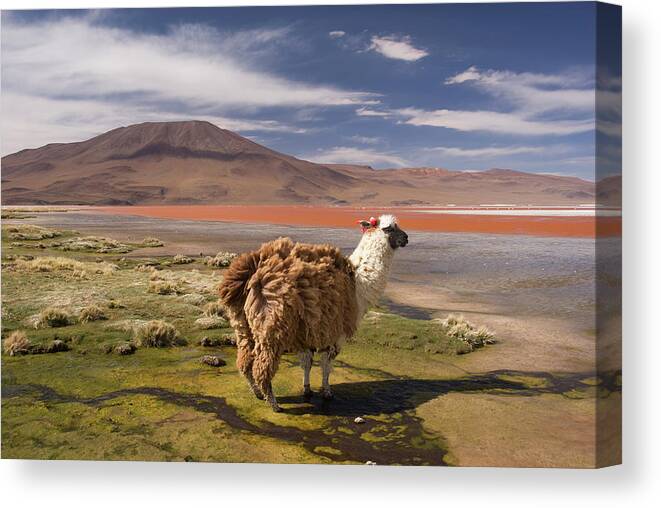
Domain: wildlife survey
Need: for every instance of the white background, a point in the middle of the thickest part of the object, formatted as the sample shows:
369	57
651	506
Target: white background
636	483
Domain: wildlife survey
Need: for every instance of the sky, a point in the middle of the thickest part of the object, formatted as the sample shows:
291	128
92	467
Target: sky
463	86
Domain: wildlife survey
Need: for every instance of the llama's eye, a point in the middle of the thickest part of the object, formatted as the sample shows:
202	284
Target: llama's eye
388	229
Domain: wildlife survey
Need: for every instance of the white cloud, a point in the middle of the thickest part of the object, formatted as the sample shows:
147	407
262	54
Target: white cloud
532	104
493	121
468	75
371	112
486	152
534	92
397	47
74	67
336	34
351	155
366	140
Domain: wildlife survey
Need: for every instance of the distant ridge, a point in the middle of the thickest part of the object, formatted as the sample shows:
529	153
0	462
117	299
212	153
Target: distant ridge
196	162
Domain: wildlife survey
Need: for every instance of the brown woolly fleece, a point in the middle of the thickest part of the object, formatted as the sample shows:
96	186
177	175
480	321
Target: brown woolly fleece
287	297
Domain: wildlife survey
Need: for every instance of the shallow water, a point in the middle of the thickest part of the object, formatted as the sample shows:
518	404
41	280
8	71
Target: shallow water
526	275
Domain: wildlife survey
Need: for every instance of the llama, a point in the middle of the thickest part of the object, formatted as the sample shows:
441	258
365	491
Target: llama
304	298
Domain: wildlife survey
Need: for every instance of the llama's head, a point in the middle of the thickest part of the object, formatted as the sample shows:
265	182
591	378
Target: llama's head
386	227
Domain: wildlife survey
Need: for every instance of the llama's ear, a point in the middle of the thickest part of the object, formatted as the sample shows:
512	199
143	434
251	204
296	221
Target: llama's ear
364	225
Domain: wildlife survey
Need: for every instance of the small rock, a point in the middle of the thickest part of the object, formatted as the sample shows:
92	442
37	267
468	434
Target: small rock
125	349
228	340
370	463
359	419
213	360
209	342
57	346
180	341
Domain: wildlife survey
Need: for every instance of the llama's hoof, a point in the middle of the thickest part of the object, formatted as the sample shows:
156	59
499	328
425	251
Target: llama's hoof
326	394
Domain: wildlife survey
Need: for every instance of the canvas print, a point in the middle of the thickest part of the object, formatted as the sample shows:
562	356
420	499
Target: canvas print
362	235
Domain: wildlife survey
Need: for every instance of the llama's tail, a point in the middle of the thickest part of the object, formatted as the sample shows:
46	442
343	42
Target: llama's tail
234	288
254	285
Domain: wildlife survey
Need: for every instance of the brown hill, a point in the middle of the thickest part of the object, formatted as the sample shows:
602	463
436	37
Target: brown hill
198	163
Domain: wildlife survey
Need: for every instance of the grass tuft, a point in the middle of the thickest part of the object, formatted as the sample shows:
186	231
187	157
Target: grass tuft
156	333
220	260
209	323
459	328
150	241
215	309
52	317
92	313
17	343
180	259
78	269
31	232
93	244
163	287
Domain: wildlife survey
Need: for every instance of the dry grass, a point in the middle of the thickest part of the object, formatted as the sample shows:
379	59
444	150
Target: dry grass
150	241
209	323
180	259
193	299
215	309
163	287
126	325
97	244
13	214
144	267
453	319
52	317
17	343
154	274
459	328
156	333
187	281
31	232
55	264
92	313
220	260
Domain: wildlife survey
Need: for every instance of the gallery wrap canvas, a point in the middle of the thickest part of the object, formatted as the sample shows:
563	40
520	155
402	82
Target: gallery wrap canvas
352	235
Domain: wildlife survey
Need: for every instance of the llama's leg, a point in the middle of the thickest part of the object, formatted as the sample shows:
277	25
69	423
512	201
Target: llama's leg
264	366
244	362
306	364
325	360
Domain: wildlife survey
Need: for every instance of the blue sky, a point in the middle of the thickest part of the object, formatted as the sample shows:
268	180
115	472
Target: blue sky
460	86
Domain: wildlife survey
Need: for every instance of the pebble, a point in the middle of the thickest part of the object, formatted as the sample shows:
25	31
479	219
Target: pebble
370	463
359	419
214	361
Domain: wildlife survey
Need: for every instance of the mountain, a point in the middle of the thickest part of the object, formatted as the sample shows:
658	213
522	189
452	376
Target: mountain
196	162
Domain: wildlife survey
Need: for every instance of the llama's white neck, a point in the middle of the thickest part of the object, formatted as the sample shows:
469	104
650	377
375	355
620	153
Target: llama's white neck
372	260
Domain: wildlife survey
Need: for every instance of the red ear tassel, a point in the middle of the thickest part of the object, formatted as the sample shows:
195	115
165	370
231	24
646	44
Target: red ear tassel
373	222
364	225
